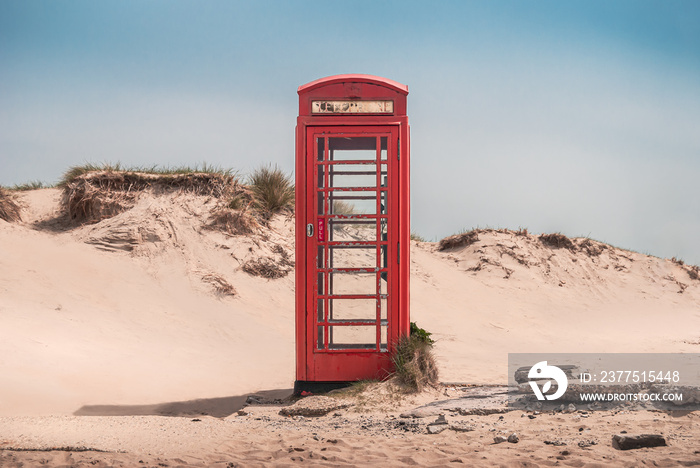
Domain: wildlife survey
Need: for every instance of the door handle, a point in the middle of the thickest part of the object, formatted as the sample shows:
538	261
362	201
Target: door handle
310	230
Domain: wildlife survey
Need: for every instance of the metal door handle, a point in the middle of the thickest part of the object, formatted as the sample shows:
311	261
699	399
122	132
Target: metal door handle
310	230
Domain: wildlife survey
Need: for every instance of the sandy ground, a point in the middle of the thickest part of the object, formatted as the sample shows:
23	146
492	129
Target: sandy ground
108	329
370	437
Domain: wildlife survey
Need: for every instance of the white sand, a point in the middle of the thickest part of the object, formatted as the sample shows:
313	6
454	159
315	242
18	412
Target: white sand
124	313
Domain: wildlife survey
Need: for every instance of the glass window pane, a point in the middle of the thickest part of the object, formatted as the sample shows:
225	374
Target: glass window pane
356	337
321	181
320	147
353	309
352	148
320	257
320	283
321	203
319	338
352	230
384	176
384	147
352	175
353	283
348	203
352	257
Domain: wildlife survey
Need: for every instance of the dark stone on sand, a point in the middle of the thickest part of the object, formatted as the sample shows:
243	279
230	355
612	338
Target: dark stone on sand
622	442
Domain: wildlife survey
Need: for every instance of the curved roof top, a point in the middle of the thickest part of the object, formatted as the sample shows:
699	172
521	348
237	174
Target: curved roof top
357	78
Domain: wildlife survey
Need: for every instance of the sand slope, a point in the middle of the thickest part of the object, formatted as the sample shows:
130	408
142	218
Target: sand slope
138	310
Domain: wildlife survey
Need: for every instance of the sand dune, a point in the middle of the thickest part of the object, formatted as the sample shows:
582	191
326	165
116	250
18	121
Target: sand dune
130	310
107	327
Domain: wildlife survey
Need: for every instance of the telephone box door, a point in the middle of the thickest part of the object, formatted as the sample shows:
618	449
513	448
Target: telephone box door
351	235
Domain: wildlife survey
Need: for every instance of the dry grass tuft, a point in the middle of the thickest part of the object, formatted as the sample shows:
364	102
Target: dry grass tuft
266	267
459	240
557	240
233	222
592	248
9	209
221	286
414	363
693	272
417	237
273	191
93	196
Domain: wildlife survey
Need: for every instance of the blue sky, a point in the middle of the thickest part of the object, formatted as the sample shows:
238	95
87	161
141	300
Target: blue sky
581	117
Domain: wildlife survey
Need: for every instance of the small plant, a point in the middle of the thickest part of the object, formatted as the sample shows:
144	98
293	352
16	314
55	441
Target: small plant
33	185
421	334
233	222
272	189
414	363
417	237
9	209
463	239
269	268
557	240
693	272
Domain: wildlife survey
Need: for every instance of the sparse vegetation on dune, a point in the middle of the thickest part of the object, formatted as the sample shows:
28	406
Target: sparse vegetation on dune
233	222
272	189
9	209
463	239
557	240
77	171
93	196
96	192
415	366
31	185
417	237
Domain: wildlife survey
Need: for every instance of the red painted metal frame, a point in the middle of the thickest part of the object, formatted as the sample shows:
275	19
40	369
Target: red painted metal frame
349	365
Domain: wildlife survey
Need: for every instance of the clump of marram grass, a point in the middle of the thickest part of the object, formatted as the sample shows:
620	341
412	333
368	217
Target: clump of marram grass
9	209
220	285
693	272
557	240
75	172
273	191
32	185
233	222
269	268
592	248
417	237
463	239
414	363
93	193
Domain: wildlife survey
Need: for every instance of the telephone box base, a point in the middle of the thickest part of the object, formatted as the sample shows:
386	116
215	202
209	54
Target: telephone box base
317	387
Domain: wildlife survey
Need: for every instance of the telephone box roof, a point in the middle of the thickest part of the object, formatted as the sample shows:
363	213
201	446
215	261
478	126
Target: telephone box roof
356	78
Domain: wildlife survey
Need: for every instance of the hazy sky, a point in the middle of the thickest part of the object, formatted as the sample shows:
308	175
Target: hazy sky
575	116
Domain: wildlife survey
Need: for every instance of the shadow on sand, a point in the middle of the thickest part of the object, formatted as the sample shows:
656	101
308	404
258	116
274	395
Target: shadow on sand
217	407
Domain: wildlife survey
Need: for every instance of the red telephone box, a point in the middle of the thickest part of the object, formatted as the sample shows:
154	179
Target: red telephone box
352	228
